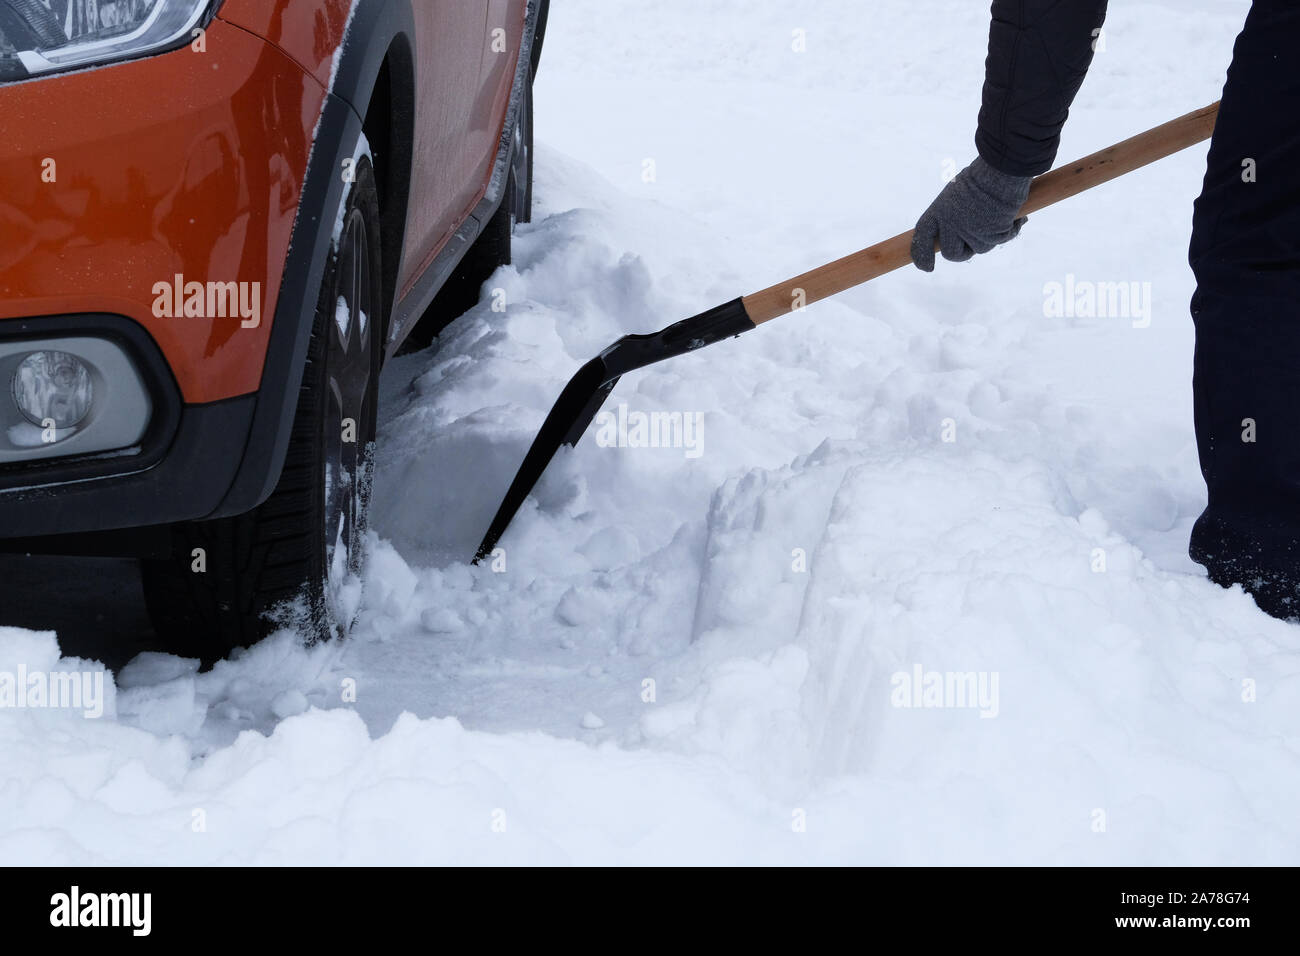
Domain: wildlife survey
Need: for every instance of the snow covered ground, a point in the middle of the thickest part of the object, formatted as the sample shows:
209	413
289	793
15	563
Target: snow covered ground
704	653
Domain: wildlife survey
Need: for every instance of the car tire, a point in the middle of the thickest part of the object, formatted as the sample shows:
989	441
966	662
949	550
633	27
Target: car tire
296	560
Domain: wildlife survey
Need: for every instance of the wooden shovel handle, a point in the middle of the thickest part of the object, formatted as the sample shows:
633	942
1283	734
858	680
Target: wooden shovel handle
1047	189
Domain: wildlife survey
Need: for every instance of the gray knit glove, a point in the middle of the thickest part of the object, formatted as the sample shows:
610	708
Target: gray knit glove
974	213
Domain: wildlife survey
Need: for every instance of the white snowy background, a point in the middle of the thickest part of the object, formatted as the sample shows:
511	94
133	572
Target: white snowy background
500	716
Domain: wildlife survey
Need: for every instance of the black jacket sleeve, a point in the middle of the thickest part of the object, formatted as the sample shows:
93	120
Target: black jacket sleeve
1039	52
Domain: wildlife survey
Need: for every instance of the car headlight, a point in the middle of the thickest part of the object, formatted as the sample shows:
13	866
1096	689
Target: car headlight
40	36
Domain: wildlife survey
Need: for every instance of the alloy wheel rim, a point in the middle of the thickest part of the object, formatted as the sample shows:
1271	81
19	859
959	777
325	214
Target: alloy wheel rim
348	369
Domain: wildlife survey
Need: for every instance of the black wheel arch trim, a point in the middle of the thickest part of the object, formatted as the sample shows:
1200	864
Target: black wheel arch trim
376	26
539	33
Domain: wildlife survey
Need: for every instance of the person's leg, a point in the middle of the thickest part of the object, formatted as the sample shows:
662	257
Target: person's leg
1245	253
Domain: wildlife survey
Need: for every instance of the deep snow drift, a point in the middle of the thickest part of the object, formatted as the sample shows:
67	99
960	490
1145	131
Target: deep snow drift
933	490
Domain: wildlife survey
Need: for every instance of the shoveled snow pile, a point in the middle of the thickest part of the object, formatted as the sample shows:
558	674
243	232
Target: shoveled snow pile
900	579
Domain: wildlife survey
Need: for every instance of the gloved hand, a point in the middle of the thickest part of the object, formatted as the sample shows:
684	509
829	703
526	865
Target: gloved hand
974	213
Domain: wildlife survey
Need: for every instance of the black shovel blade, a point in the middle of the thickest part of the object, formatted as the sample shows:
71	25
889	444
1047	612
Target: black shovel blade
587	390
566	423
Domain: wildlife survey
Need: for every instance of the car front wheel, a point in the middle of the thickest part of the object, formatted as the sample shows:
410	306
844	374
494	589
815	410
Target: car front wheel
296	560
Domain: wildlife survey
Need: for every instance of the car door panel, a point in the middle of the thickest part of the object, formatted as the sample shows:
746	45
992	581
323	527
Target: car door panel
449	53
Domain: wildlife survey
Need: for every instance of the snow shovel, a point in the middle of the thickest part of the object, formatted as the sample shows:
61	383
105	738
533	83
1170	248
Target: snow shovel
588	389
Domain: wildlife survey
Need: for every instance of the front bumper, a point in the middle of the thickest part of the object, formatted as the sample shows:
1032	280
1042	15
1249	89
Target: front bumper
181	468
116	179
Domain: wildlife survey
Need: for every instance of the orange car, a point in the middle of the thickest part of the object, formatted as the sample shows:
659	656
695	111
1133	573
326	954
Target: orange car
218	218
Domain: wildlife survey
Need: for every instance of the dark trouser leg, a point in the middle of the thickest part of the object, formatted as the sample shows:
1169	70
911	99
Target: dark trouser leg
1246	256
